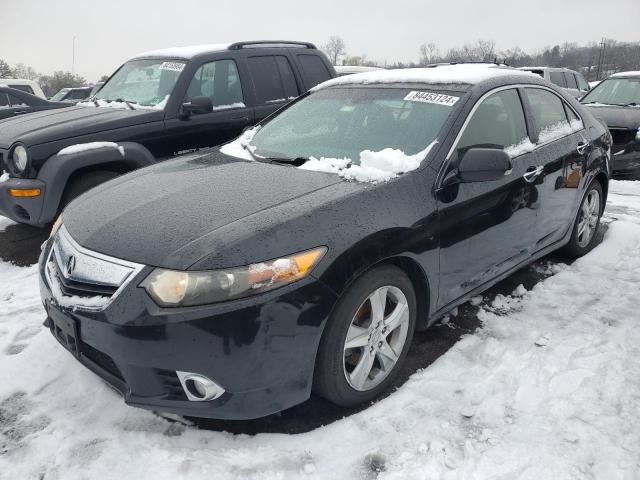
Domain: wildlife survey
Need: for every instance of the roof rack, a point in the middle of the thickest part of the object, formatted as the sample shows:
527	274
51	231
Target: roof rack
271	44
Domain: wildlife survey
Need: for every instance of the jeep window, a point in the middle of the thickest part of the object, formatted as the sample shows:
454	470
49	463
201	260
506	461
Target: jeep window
315	71
4	101
220	82
558	79
143	82
16	102
273	79
498	122
616	91
342	122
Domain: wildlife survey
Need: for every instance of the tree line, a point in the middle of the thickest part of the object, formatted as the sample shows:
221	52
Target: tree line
594	60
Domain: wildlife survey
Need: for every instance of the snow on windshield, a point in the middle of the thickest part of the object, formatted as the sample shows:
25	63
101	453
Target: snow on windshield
444	74
373	167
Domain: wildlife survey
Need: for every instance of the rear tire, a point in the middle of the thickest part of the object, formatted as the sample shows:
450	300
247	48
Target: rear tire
379	338
84	183
585	231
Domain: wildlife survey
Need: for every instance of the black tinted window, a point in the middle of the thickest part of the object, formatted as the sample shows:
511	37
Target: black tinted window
23	88
271	84
16	102
571	80
557	78
220	82
288	79
314	69
497	123
79	94
548	113
4	102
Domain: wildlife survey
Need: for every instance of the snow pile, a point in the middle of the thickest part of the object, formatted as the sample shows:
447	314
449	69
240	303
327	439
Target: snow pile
559	130
238	147
374	166
626	74
548	388
83	147
4	177
442	74
229	106
525	146
123	105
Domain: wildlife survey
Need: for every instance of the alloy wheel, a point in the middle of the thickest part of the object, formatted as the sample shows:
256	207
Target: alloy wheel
588	219
376	338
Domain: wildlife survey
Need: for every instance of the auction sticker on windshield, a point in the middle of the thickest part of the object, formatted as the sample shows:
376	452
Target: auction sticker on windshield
431	97
173	66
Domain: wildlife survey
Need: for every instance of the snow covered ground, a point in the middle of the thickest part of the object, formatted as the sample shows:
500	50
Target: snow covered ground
547	388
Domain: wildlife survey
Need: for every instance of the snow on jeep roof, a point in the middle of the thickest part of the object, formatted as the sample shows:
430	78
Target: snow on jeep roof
626	74
184	52
462	73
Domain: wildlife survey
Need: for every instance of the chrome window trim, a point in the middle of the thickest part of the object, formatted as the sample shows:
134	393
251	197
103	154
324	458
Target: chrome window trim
488	94
135	269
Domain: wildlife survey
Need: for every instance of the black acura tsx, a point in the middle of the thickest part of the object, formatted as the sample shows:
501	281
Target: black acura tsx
303	256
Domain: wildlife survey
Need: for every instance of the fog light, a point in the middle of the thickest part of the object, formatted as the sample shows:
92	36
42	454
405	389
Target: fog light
199	388
27	192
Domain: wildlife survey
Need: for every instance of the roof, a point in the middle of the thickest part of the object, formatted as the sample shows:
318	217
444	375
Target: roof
440	74
186	52
355	68
626	74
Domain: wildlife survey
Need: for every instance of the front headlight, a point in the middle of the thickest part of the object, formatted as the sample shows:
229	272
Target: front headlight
173	288
638	135
20	158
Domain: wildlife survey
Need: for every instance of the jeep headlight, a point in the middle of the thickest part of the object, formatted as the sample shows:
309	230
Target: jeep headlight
638	135
19	158
174	288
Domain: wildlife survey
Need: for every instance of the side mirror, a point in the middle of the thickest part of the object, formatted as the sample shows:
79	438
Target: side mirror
197	105
483	165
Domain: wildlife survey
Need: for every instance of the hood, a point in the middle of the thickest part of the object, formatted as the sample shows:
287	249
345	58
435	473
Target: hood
51	125
156	215
616	116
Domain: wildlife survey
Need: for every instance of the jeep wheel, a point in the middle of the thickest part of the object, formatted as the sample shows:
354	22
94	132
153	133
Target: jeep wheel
84	183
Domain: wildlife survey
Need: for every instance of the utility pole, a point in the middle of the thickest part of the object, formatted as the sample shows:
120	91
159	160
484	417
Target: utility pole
603	46
73	56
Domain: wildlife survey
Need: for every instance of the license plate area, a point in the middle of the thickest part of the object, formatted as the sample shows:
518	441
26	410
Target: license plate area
65	330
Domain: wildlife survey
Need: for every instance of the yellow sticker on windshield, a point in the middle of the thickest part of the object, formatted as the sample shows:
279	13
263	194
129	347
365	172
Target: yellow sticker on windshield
431	97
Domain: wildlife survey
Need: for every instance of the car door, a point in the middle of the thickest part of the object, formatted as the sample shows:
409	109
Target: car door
486	228
274	83
561	149
220	81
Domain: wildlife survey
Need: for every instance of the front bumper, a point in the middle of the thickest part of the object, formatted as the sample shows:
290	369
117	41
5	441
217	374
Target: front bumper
626	164
22	209
261	350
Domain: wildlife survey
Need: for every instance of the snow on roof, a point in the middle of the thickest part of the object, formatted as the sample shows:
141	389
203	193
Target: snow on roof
626	74
462	73
184	52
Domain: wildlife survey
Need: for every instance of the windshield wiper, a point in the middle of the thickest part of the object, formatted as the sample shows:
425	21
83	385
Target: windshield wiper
296	162
125	101
251	154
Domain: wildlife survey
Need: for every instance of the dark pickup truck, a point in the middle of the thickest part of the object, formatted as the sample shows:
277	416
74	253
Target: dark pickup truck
157	105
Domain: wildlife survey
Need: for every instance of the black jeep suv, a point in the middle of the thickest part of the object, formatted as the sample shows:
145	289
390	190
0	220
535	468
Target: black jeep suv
156	105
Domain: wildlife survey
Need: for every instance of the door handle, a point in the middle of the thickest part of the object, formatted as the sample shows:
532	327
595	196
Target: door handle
582	147
240	119
532	173
20	112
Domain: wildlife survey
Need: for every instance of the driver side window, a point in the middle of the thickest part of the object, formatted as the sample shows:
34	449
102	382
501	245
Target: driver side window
498	122
220	81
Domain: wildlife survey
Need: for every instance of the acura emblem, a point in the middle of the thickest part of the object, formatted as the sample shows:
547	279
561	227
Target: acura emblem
71	265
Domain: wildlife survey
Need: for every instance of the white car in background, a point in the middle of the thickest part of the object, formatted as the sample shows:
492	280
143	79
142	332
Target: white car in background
343	70
565	78
27	86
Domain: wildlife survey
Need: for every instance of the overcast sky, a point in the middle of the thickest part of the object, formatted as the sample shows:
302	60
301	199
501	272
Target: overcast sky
40	33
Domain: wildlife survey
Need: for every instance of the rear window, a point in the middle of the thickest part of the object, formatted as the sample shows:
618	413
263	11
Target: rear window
273	79
313	69
558	79
22	88
16	102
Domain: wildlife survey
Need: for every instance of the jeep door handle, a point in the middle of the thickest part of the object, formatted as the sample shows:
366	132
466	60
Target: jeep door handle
532	173
583	147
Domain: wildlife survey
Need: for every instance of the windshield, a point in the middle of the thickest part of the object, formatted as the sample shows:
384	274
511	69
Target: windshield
343	122
142	82
60	95
615	91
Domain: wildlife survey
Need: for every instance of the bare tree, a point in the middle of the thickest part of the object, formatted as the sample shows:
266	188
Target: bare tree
428	54
20	70
335	48
485	50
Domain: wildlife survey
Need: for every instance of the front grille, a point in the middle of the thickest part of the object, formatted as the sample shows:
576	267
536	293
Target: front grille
101	359
75	288
622	136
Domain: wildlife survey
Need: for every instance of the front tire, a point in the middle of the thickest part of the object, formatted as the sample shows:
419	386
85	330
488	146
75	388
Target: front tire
366	338
84	183
584	235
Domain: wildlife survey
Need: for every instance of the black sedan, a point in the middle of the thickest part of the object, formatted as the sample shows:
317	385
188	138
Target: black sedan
303	256
617	101
16	102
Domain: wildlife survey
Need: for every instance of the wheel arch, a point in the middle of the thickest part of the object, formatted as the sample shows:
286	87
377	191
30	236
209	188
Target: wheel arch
602	178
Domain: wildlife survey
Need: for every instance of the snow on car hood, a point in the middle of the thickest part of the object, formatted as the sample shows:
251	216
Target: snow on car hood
178	202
